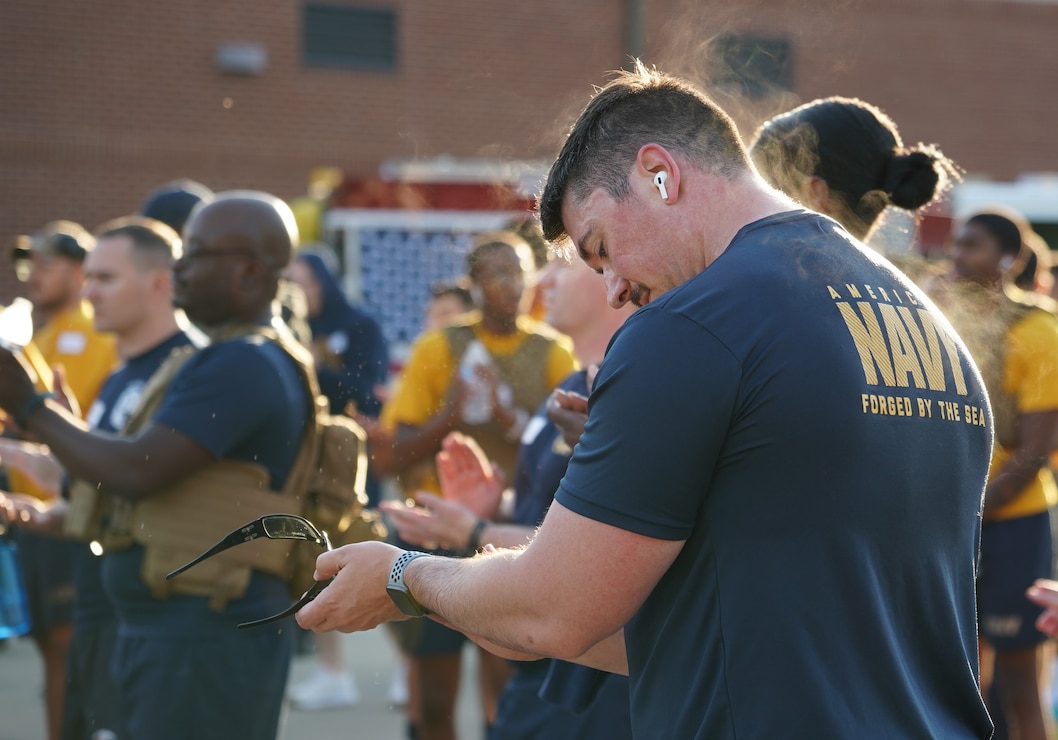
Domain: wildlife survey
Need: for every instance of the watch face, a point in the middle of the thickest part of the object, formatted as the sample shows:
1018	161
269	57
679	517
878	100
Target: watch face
404	601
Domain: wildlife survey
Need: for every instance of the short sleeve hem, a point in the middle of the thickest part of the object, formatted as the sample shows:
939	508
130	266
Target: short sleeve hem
618	519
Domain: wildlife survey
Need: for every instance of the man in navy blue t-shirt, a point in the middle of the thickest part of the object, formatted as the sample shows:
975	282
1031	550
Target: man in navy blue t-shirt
771	519
127	280
181	667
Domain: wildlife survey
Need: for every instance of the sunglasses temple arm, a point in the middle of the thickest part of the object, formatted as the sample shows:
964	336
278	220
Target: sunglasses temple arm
219	547
309	595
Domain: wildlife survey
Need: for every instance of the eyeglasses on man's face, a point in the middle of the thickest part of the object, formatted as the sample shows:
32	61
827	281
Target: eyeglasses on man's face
199	254
274	527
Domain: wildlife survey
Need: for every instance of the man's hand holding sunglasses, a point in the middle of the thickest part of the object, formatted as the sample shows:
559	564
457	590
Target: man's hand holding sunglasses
368	586
368	583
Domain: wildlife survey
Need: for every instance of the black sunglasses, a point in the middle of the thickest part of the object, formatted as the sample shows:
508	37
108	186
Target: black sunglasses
274	527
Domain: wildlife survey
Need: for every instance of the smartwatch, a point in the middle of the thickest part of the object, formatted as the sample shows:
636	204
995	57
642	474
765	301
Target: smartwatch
398	589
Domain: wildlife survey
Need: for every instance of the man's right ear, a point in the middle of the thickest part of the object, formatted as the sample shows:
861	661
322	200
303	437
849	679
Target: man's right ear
655	162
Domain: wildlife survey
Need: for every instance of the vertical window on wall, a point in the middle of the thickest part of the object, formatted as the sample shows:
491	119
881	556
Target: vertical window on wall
752	66
349	36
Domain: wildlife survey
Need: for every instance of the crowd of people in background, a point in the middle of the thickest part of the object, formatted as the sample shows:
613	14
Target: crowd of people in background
165	366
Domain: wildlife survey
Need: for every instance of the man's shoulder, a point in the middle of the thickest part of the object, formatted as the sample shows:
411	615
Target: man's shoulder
790	224
178	342
242	359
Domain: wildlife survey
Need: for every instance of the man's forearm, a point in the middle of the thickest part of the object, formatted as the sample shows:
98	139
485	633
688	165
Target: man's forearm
506	535
606	655
130	467
492	597
70	441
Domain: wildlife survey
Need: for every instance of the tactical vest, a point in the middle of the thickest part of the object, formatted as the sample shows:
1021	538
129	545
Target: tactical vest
525	371
179	523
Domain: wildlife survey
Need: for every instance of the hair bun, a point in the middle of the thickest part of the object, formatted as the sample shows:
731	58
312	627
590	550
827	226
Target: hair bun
912	177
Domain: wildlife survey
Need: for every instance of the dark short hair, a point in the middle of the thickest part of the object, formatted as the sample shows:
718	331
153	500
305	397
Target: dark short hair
488	242
1006	231
637	108
150	238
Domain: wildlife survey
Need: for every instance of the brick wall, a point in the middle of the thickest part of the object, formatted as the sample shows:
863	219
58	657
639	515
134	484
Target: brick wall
103	101
973	76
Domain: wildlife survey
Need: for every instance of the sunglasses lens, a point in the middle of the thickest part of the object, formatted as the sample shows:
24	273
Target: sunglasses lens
289	528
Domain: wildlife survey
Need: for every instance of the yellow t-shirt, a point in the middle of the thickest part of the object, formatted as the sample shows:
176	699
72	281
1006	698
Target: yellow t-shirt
430	367
1030	376
88	356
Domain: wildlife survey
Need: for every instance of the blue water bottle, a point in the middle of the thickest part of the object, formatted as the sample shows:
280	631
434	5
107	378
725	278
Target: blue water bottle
14	613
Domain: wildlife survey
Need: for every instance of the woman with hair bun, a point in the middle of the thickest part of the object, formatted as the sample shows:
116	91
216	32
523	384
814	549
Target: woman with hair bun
1013	337
844	158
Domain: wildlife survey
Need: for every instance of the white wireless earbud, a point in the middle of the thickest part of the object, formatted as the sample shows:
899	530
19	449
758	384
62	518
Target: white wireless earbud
1005	263
659	181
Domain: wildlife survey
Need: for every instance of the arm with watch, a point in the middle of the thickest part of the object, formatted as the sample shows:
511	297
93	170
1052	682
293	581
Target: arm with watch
566	595
608	654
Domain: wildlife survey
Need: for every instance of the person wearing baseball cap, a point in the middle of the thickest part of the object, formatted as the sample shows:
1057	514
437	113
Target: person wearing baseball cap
57	239
51	264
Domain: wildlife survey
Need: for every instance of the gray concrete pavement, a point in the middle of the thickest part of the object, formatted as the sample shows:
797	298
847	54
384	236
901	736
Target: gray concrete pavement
370	657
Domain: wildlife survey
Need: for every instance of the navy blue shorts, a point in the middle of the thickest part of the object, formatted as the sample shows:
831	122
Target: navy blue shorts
425	638
1014	553
91	702
225	686
527	711
47	571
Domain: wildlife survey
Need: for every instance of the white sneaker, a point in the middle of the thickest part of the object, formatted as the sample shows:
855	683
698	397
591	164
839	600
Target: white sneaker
397	695
324	689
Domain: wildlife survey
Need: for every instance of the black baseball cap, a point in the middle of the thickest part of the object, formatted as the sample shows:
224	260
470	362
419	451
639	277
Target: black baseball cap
57	239
173	202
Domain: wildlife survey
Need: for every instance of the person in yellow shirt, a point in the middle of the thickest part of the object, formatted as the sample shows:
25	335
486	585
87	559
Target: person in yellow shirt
1013	337
448	303
523	360
483	376
51	263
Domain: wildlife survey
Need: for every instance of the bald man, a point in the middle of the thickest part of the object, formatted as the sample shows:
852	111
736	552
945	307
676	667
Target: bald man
227	425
